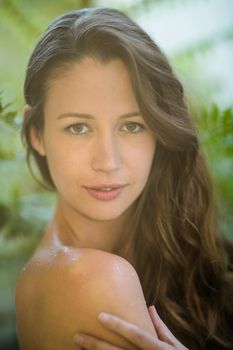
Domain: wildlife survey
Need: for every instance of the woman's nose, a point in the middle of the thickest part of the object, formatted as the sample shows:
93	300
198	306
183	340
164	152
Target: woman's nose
106	154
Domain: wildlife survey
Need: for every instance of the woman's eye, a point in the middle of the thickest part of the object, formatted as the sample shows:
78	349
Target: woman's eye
133	127
78	129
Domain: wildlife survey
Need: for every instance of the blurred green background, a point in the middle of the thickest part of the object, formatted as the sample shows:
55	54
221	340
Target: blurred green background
196	35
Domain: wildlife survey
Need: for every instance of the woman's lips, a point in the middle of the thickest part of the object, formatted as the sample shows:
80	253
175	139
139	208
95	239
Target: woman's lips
105	192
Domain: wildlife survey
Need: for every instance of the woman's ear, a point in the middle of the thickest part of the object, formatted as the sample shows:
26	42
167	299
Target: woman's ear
36	137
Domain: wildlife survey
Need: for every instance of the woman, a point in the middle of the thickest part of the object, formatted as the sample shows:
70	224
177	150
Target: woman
134	224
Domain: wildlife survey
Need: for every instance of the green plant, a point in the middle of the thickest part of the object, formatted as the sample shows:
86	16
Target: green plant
24	209
216	137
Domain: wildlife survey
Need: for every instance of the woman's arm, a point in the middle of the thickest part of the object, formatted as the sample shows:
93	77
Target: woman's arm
72	294
107	282
136	335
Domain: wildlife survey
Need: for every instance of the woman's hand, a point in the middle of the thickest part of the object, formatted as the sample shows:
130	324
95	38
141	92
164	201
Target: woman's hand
135	335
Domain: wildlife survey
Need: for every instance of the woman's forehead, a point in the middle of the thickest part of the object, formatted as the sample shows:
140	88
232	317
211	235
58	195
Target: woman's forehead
91	79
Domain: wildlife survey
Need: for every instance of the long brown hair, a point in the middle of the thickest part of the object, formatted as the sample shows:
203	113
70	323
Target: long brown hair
181	259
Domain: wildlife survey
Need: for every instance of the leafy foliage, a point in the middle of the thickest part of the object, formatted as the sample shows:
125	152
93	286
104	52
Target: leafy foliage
216	137
21	210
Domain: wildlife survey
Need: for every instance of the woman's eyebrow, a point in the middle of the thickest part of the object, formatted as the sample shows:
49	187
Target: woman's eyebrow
89	116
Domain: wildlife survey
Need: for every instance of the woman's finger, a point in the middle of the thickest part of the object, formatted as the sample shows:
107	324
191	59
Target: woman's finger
163	331
92	343
131	332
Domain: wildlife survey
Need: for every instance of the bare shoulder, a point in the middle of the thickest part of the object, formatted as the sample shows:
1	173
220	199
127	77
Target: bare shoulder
68	293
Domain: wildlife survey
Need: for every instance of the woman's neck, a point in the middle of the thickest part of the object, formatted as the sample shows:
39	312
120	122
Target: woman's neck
69	228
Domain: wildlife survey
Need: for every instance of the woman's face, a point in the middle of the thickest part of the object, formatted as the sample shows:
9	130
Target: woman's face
98	147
